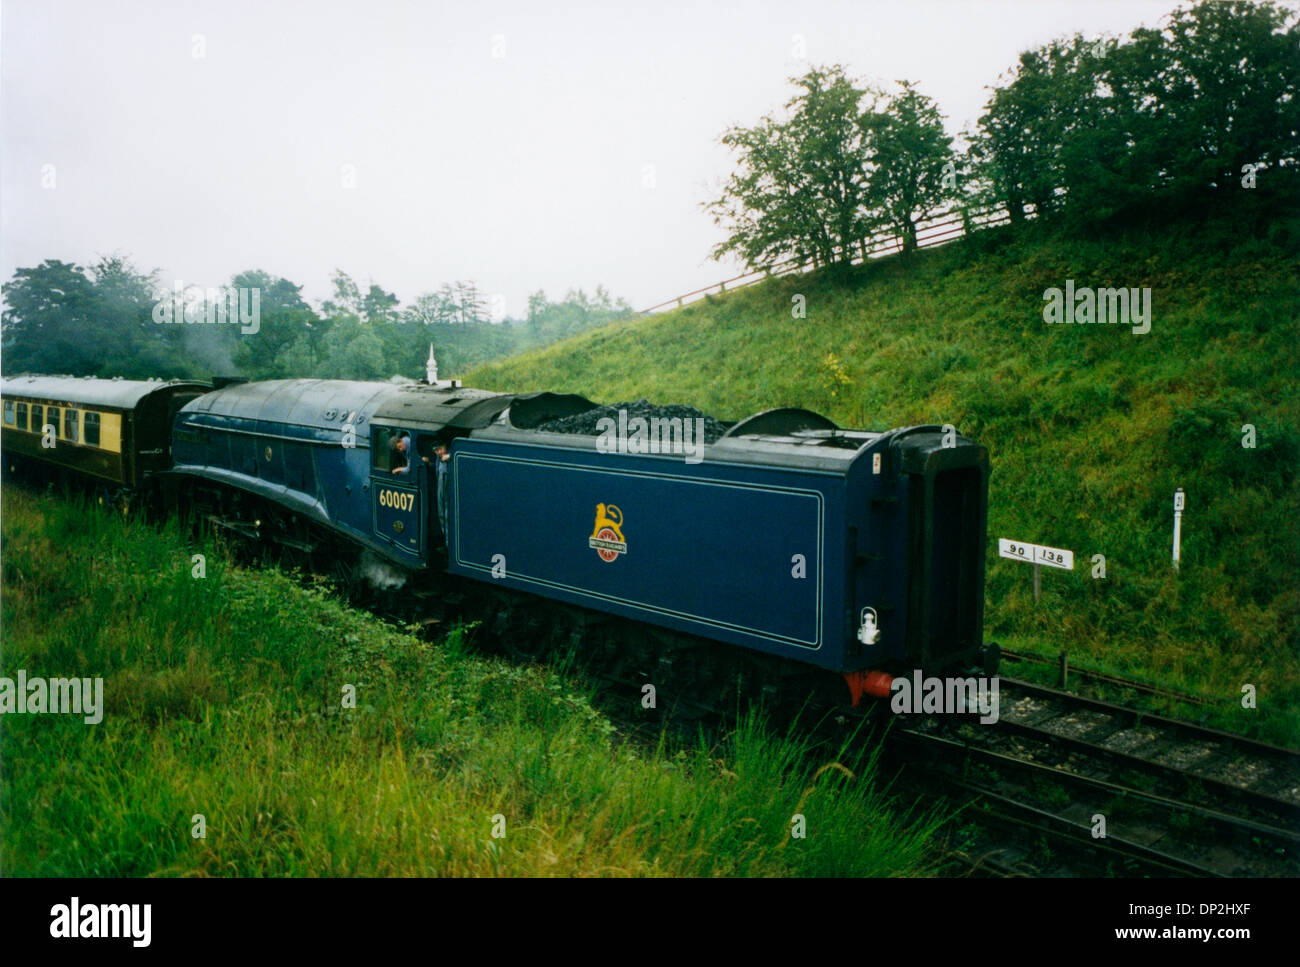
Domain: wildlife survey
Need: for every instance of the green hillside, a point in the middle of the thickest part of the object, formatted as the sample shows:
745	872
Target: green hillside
1090	428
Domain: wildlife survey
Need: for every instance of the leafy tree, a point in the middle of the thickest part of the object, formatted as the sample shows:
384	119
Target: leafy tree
536	305
469	303
124	299
915	169
358	354
801	185
846	162
61	318
50	308
1115	155
427	310
1227	90
1026	123
285	319
550	321
379	306
346	300
1096	128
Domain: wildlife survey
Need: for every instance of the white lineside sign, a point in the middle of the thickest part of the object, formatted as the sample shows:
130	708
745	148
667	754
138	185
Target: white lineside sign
1038	555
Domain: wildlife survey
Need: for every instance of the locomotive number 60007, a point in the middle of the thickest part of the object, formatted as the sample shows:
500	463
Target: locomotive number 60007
396	499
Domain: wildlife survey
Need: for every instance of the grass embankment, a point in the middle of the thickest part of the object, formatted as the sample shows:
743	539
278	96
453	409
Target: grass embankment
1090	428
224	698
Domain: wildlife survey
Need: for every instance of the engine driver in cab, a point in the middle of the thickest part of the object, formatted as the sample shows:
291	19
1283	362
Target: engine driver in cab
400	447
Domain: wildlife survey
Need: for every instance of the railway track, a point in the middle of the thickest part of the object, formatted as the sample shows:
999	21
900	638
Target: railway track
1161	794
1065	671
1264	777
997	834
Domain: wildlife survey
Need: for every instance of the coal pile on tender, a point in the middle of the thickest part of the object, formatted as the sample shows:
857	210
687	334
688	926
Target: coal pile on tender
588	423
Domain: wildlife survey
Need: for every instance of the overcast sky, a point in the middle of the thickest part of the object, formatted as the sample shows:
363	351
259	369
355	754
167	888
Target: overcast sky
523	145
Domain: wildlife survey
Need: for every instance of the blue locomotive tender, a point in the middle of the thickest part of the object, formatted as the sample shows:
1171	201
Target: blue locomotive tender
845	550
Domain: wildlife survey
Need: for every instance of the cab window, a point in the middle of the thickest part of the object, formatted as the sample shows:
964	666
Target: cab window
9	412
379	442
70	425
387	452
92	429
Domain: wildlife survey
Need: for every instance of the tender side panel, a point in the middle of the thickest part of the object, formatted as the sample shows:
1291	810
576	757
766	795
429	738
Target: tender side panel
739	554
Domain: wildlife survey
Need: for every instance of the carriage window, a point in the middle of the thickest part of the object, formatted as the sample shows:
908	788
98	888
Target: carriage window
22	416
92	429
38	418
9	412
52	416
70	425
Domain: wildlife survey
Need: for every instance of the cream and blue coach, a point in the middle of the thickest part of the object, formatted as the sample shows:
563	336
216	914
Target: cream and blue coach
116	432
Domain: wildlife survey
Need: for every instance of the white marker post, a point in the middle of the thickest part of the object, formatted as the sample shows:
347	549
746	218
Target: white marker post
1037	555
1178	524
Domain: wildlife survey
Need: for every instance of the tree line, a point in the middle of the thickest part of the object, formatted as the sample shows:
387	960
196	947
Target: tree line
110	319
1081	129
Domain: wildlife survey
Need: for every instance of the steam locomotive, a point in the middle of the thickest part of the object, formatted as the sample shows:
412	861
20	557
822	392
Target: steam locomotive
855	553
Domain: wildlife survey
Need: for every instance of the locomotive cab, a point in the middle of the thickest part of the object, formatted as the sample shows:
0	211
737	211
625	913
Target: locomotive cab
399	489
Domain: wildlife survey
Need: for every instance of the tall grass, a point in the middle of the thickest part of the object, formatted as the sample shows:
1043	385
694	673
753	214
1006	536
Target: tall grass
224	700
